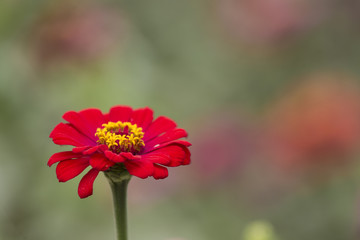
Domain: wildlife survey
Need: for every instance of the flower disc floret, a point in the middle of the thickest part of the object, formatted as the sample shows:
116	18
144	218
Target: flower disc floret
121	137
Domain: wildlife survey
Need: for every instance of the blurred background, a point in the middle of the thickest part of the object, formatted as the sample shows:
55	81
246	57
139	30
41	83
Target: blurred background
269	91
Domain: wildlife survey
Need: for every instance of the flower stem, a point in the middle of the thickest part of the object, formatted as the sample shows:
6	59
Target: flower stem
118	183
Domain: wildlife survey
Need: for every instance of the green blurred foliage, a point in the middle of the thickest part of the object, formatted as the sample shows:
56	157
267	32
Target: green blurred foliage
259	230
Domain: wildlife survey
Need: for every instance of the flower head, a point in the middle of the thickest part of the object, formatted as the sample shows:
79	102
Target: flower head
66	32
317	122
125	138
268	22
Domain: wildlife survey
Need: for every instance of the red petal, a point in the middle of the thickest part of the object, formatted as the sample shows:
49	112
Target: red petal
61	156
87	182
94	117
157	157
114	157
92	150
160	172
141	169
106	117
80	149
120	113
158	146
65	134
69	169
168	136
100	162
172	155
130	156
142	117
160	125
187	159
80	123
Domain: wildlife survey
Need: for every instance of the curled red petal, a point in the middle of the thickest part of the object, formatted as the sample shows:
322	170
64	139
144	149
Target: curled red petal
80	149
160	125
158	146
100	162
61	156
114	157
120	113
172	155
160	172
92	150
168	136
69	169
65	134
130	156
187	159
142	117
141	169
86	184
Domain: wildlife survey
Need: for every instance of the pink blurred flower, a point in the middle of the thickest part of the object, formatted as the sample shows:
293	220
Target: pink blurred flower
222	145
268	21
70	32
317	122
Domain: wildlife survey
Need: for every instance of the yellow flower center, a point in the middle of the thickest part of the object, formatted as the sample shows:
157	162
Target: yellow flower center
121	137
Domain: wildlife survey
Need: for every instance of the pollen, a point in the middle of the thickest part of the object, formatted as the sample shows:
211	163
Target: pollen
121	137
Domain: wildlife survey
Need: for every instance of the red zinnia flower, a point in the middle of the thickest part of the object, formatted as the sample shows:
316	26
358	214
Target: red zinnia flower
125	137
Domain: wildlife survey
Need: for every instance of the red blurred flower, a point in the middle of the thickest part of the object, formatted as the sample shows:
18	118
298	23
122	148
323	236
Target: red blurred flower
124	138
317	122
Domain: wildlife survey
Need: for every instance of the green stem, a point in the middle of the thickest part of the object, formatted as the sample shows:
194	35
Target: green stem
118	183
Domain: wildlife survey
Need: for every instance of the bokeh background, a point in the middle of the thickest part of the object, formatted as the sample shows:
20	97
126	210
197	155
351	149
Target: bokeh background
269	91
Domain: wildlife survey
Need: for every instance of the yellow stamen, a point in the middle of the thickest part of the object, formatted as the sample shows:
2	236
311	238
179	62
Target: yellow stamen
121	136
